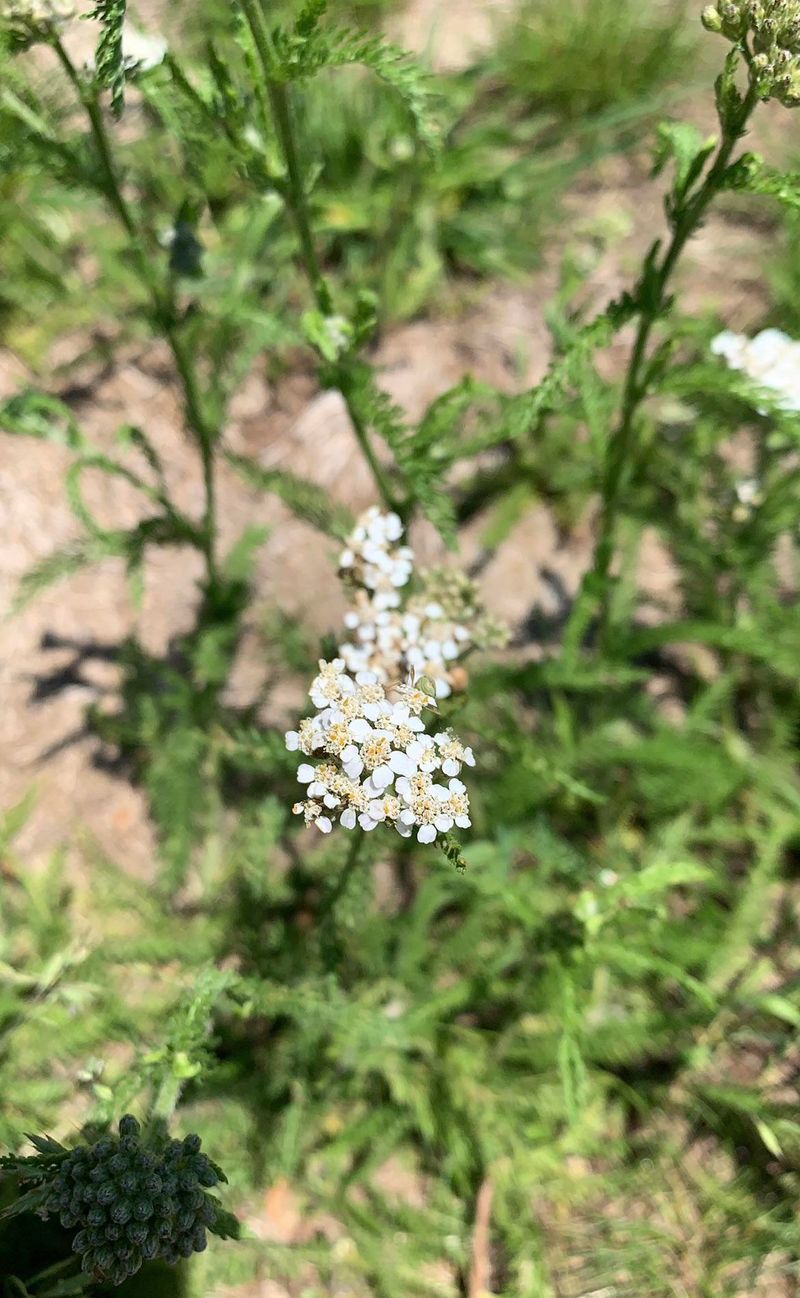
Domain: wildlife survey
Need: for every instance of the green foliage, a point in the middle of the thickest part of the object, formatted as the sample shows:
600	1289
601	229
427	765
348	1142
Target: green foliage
582	1013
109	62
582	57
310	48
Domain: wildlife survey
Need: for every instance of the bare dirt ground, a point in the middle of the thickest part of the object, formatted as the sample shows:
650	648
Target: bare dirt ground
50	666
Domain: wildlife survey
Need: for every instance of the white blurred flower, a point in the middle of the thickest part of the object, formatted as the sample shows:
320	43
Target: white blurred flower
39	13
373	560
771	359
140	52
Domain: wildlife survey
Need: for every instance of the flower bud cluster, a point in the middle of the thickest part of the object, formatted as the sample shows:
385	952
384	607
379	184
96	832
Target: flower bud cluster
426	634
773	28
771	359
373	761
129	1204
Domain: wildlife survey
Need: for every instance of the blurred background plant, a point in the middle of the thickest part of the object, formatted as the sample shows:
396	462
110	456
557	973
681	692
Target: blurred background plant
573	1067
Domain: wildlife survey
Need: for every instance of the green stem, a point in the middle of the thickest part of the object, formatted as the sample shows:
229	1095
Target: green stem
340	886
622	444
280	110
162	306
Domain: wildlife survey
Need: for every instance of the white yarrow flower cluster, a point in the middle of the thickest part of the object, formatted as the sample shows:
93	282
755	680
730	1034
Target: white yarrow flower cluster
425	634
372	761
374	560
771	359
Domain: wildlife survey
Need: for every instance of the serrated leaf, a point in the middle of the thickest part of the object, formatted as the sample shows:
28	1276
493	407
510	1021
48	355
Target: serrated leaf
303	56
109	61
226	1225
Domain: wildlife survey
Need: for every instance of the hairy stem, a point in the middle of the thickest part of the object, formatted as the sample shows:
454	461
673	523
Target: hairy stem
162	301
280	109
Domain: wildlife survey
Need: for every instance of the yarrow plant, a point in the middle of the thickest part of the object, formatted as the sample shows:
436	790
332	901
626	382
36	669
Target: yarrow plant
560	964
379	762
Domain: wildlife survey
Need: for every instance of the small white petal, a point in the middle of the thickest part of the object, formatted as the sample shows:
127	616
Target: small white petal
426	834
451	766
463	822
360	729
292	740
469	757
366	822
305	773
323	824
456	786
331	800
403	830
443	823
348	818
382	777
402	764
317	789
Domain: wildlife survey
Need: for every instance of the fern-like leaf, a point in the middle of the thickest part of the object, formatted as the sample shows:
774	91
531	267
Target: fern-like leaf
303	498
302	56
414	450
109	61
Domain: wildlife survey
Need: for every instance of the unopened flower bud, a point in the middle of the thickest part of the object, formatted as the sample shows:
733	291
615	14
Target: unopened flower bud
711	19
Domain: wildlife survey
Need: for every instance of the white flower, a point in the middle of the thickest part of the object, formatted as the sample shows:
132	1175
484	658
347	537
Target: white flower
424	635
377	764
142	52
373	559
771	359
